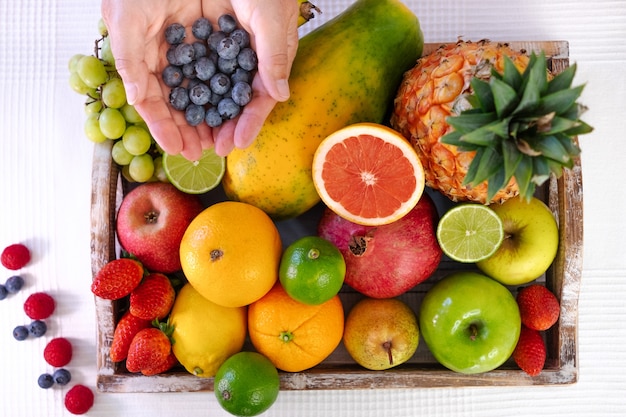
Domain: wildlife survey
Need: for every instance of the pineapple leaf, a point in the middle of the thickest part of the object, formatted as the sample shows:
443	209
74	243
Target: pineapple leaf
571	147
541	171
560	124
511	74
511	157
562	81
551	147
523	177
581	128
535	81
468	122
487	165
559	102
482	92
505	97
495	183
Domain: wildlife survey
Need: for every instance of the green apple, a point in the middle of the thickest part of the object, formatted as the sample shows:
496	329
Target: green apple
381	333
470	322
531	240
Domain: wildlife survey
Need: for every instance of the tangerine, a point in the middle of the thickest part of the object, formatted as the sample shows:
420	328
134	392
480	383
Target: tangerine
293	335
230	253
368	174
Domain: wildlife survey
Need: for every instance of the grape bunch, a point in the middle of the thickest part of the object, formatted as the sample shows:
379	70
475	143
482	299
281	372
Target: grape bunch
210	77
110	117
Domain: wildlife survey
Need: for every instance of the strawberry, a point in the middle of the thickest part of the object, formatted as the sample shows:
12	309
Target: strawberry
539	308
149	348
125	330
169	363
153	298
15	256
117	278
58	352
530	352
79	399
39	306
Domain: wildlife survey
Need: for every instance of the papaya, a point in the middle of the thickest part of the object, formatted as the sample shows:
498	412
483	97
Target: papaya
346	71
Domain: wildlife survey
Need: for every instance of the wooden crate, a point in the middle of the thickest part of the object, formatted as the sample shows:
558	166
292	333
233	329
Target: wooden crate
339	371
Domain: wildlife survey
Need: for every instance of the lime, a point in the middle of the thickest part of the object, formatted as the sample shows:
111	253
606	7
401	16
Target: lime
312	270
246	384
195	177
470	232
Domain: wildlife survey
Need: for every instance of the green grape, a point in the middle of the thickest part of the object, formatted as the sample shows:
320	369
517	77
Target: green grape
112	123
159	171
71	64
93	106
119	153
102	27
105	52
92	129
141	168
137	140
92	71
78	85
113	93
130	114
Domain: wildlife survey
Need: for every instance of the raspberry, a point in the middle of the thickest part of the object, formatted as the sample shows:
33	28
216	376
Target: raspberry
15	256
79	399
58	352
539	308
39	306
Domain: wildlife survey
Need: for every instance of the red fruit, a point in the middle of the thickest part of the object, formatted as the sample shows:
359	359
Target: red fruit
39	306
169	363
149	347
539	308
386	261
15	256
117	279
153	298
79	399
58	352
125	331
530	352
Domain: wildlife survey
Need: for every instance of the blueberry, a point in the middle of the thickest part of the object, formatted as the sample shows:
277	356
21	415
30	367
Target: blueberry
214	39
174	33
62	376
227	66
200	49
14	284
189	70
179	98
170	55
184	53
201	28
241	74
219	83
205	68
241	93
194	114
37	328
247	59
215	98
212	117
173	76
45	381
227	23
241	37
20	333
200	94
3	292
228	109
228	48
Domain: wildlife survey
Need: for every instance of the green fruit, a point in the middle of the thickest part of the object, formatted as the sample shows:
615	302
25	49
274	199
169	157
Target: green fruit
346	71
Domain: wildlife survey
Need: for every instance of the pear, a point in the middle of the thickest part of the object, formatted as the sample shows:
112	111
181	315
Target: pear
381	333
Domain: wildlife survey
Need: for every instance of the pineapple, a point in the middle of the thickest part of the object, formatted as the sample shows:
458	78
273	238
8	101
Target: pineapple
488	122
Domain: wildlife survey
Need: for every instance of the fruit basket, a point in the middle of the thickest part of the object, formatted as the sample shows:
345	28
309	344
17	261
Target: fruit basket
339	371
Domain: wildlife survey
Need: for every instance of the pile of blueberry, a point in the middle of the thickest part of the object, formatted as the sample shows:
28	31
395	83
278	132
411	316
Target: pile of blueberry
210	77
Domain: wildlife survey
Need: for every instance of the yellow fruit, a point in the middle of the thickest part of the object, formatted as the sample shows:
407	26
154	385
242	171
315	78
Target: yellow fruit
346	71
205	334
230	253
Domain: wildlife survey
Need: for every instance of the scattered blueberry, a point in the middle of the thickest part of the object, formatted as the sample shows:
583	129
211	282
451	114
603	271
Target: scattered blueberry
228	48
227	23
62	376
241	74
227	66
37	328
45	381
200	49
228	109
194	114
205	68
200	94
173	76
241	93
241	36
3	292
184	53
189	70
219	83
247	59
213	118
179	98
215	98
14	284
20	333
170	55
214	39
174	33
201	28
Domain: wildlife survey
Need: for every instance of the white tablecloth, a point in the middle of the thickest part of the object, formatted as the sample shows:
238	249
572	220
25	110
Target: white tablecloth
45	191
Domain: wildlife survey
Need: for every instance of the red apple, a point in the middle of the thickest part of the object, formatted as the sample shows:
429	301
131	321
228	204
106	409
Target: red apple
388	260
151	221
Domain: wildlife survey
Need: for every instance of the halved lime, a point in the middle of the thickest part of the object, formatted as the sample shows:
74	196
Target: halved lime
470	232
195	177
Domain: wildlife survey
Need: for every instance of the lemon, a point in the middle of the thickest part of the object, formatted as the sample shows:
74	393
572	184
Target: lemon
470	232
195	177
205	334
312	270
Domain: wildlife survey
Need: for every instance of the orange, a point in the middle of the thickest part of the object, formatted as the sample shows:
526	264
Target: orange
230	253
368	174
293	335
312	270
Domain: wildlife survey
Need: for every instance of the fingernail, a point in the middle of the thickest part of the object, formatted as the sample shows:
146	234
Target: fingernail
283	89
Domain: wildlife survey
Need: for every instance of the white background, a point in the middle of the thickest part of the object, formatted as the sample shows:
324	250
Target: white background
45	187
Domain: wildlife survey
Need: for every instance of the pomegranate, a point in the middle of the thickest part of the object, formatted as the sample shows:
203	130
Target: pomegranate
386	261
